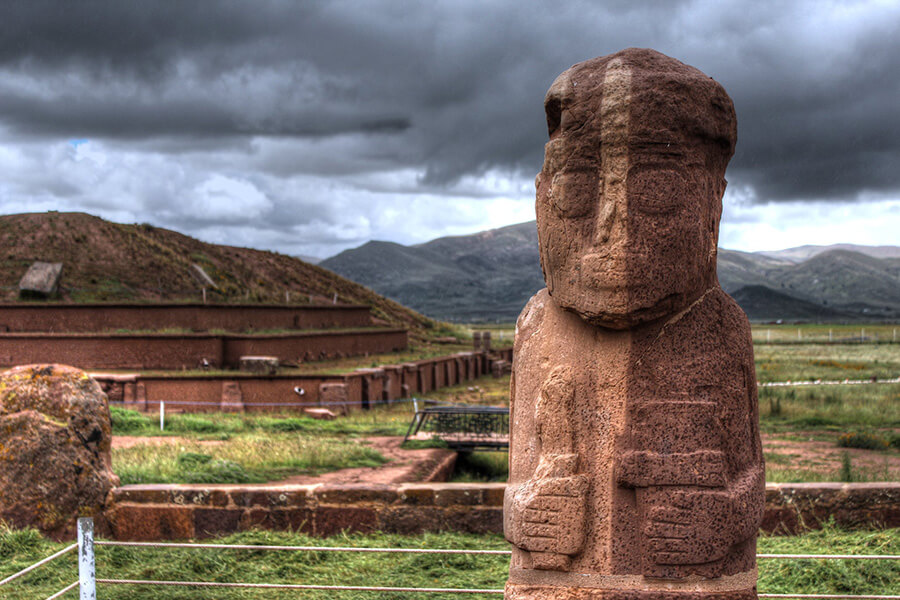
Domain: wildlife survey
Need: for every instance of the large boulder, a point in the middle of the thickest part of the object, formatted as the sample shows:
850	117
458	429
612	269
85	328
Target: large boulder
40	280
55	440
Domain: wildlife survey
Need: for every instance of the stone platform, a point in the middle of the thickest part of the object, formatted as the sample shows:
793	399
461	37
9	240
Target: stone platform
161	512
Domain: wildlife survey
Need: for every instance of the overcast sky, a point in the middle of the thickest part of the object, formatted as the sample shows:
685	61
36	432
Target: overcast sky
310	127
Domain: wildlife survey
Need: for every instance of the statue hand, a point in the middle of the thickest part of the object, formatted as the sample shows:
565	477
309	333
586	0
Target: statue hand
548	514
694	528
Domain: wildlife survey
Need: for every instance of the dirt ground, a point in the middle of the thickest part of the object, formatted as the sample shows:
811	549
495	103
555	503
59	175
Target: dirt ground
402	466
810	451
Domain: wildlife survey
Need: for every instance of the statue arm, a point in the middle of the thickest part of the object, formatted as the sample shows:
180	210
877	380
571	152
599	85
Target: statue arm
707	495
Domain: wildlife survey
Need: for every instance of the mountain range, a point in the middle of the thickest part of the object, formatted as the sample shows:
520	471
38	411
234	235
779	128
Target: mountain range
489	276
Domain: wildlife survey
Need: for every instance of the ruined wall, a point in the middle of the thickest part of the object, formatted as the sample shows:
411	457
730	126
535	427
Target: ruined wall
83	318
186	351
211	393
320	345
157	512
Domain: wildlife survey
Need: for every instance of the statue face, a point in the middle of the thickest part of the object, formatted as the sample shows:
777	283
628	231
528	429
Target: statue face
627	209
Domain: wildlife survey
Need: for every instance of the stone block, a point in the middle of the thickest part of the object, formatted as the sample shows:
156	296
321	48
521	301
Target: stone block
210	522
453	494
492	494
144	494
331	520
352	493
411	520
417	494
145	523
334	396
272	497
474	519
320	414
264	365
41	280
232	398
279	519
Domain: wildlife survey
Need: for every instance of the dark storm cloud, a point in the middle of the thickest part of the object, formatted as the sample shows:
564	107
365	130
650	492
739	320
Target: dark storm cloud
448	89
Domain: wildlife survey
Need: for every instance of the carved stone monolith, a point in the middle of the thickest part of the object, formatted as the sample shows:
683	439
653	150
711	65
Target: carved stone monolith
636	469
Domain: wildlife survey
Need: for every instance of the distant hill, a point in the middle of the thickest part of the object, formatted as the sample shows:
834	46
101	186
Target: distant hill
765	304
801	253
489	276
106	261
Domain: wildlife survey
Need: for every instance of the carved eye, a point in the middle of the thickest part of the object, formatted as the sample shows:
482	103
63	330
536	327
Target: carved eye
659	190
553	108
574	193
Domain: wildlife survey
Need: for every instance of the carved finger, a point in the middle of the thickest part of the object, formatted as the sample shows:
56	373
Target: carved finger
542	516
668	545
562	486
671	558
538	544
656	529
540	530
673	516
548	503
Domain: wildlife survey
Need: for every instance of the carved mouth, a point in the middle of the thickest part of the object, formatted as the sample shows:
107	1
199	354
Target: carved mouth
604	272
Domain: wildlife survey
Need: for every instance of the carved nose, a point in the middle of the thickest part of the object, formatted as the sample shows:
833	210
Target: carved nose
605	219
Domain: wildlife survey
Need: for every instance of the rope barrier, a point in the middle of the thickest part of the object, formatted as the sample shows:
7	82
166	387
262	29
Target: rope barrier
208	584
63	591
40	563
829	382
296	586
830	596
290	404
833	556
361	588
302	548
445	550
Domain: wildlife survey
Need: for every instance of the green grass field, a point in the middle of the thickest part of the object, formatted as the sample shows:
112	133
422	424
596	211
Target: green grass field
22	548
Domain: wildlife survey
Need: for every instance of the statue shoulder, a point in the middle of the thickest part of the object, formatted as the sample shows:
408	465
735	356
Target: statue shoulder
532	316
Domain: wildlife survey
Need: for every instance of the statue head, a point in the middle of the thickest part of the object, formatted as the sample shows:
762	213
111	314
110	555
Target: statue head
630	194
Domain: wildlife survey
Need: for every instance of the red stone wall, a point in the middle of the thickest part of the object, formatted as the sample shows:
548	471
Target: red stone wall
155	351
186	351
371	386
83	318
158	512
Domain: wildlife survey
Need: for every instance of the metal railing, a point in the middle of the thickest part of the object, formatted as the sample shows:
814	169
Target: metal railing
87	579
463	427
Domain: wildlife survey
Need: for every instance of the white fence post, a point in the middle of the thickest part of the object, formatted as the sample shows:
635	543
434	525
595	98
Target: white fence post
162	415
86	575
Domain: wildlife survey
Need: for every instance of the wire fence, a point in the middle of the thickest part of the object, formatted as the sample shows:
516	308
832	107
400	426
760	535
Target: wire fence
877	334
87	580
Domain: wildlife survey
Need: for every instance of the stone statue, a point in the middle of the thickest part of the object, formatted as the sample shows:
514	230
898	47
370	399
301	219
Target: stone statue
636	468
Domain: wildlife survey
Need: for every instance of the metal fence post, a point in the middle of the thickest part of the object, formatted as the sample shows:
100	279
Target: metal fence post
162	415
86	575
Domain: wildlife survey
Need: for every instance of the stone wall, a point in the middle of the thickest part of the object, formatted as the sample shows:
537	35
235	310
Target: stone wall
361	388
186	351
157	512
83	318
